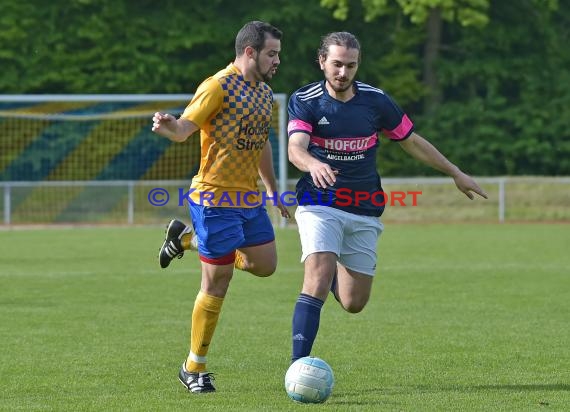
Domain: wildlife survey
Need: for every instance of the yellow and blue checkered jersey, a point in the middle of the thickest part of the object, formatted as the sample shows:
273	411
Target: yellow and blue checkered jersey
234	116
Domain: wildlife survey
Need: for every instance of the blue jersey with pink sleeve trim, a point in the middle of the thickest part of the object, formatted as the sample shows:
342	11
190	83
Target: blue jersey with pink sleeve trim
345	136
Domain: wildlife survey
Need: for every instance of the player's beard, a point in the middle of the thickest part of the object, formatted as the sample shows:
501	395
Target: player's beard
340	87
265	76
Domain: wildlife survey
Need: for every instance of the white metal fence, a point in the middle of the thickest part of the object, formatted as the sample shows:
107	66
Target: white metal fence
139	202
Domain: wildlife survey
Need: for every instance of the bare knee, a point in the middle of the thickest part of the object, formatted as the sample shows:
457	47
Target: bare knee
262	272
258	260
260	269
353	305
354	308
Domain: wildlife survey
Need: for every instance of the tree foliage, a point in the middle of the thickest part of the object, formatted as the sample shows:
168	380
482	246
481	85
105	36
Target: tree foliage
501	69
503	76
507	92
466	12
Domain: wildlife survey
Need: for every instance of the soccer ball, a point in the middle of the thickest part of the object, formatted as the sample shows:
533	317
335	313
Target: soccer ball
309	380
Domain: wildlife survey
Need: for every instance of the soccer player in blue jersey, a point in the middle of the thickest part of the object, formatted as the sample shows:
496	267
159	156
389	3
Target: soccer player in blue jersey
333	137
233	110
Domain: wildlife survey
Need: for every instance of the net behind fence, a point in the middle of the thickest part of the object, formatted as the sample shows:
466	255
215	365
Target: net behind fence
82	159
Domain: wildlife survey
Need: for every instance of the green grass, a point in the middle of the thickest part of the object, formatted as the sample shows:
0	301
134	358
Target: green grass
462	317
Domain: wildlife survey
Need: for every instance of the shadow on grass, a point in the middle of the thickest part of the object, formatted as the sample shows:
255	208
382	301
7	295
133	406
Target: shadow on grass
523	388
557	387
554	387
360	397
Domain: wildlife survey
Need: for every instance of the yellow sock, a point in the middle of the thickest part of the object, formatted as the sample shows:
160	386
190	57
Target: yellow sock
186	241
240	261
204	320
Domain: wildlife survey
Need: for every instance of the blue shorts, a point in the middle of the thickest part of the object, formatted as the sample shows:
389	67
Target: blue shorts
222	230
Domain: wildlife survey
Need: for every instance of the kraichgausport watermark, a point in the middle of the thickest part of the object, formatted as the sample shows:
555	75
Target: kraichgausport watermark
343	197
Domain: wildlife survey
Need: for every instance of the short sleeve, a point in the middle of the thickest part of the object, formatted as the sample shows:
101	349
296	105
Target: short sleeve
299	117
206	103
395	124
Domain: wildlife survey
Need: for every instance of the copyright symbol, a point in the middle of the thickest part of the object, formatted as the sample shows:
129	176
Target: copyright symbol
158	196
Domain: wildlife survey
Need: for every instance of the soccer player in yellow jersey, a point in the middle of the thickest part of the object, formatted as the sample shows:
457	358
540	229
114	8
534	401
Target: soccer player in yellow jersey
231	227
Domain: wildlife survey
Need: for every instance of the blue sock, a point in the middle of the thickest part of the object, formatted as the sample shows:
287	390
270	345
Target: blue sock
306	318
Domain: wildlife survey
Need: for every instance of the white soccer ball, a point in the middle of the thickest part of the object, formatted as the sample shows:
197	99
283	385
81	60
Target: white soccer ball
309	380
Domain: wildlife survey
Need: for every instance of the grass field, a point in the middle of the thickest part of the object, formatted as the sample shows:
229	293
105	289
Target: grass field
462	318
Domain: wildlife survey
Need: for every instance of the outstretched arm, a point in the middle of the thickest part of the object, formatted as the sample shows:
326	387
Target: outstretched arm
421	149
174	129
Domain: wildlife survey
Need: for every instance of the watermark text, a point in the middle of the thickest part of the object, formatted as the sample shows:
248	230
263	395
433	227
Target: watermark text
343	197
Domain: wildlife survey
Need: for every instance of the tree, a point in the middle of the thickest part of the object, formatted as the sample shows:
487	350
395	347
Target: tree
429	14
502	90
489	82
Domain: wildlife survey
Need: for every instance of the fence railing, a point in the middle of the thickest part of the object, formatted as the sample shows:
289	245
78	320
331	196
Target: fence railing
132	202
